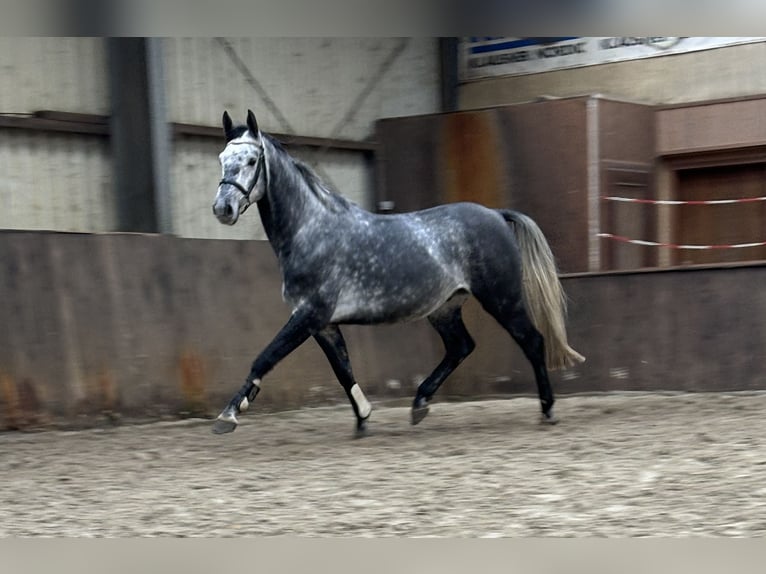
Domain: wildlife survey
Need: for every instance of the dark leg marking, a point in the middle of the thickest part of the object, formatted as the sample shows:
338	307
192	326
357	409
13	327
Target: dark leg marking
331	341
532	343
516	321
293	334
458	344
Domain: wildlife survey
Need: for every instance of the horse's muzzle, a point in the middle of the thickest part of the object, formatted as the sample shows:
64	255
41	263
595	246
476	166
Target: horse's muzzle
226	211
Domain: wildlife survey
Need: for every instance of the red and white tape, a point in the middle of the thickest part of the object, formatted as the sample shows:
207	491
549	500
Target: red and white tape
679	202
677	246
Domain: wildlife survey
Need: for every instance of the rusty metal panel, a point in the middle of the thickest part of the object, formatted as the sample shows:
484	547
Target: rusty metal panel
445	158
472	159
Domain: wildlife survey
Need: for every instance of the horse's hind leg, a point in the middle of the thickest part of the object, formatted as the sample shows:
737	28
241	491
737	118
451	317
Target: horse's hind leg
458	344
533	344
331	342
515	320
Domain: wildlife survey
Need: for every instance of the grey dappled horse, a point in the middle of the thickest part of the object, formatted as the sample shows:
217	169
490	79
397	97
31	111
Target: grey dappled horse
343	265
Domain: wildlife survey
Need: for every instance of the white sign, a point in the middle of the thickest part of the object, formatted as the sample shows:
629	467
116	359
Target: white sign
490	57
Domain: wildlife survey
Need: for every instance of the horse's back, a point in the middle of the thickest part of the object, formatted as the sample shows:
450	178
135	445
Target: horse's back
480	232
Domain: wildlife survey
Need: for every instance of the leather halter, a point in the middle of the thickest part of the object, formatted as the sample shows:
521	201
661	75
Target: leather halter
247	191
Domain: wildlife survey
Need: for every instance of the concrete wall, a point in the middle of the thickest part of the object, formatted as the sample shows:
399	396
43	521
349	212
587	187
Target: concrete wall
96	326
732	71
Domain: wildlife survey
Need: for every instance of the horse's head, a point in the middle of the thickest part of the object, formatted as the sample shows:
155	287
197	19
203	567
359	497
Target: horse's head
243	180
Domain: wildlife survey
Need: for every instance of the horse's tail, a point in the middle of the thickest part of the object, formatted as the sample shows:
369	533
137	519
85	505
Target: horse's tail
544	298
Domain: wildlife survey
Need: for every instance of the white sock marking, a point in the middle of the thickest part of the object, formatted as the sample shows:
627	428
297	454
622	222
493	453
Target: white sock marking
363	405
245	403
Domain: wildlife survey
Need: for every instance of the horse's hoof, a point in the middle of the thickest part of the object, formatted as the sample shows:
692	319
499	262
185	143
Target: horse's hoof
361	429
225	423
419	413
548	418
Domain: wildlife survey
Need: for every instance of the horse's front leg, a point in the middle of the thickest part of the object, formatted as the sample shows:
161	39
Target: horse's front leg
302	324
333	345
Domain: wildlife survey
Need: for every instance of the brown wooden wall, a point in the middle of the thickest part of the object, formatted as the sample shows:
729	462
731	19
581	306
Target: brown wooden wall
557	160
535	158
726	224
714	125
712	151
626	145
530	157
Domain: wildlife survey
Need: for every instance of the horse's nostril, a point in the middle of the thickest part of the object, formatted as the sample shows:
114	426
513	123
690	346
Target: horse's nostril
228	211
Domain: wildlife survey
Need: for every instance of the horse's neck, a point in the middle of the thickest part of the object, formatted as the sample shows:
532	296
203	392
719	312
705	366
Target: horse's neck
286	206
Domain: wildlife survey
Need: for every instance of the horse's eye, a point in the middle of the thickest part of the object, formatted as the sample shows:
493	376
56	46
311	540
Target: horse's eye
251	162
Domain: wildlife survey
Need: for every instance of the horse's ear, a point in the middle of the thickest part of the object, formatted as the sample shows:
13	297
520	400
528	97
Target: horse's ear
252	125
227	125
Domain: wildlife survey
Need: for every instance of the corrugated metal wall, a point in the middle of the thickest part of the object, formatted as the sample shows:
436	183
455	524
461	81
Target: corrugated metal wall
54	181
313	82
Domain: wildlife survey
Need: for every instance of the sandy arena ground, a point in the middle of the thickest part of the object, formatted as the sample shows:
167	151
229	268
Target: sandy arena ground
616	465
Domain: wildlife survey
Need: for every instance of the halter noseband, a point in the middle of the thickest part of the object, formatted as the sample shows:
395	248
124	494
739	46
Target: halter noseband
247	191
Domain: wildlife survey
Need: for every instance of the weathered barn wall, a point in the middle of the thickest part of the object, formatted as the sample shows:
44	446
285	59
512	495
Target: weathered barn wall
65	74
314	83
731	71
54	181
156	325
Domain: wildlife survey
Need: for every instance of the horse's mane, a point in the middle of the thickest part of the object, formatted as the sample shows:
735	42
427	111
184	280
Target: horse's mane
329	198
